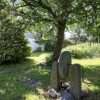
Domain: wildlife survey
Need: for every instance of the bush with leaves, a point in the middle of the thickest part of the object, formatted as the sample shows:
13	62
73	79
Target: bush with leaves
49	60
80	51
13	45
49	45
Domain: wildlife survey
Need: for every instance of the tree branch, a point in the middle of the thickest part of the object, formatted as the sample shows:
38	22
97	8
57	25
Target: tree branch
39	3
48	8
21	6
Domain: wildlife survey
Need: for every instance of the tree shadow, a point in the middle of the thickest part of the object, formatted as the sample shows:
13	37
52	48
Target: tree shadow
37	54
92	73
11	85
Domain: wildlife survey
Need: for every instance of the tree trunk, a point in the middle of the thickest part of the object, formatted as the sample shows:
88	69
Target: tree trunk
59	42
98	39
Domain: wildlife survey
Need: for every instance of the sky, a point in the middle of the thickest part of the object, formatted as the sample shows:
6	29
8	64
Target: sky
67	35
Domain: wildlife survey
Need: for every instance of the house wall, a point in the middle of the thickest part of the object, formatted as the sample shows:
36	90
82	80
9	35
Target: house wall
32	42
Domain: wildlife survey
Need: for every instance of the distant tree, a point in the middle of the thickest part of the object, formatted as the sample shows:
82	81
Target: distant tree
93	33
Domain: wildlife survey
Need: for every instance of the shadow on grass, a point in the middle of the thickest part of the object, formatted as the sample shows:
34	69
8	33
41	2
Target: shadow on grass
11	88
37	54
92	73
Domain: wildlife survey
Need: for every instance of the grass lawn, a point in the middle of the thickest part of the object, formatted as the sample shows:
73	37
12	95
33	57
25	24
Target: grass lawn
13	88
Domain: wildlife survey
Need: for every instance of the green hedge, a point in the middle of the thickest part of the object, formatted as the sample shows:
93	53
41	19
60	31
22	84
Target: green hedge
49	60
84	51
13	45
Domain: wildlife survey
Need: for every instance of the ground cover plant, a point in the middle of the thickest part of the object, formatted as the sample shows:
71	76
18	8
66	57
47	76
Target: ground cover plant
13	86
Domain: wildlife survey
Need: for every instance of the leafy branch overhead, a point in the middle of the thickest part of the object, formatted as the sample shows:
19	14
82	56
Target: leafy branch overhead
64	10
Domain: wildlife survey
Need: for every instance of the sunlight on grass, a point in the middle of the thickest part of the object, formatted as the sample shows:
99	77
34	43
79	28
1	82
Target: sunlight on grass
12	74
86	62
91	73
91	65
90	87
39	57
32	97
38	96
94	88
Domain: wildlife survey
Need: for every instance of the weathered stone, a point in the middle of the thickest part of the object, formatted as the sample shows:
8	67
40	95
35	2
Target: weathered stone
63	72
66	86
55	79
52	93
64	64
75	80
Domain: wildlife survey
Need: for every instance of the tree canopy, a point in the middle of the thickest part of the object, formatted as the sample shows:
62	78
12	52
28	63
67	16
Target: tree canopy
58	14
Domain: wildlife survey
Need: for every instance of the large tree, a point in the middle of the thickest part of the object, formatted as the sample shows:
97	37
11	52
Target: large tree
60	13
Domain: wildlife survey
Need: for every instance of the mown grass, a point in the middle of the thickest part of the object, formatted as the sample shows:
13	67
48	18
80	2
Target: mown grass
11	88
91	73
39	57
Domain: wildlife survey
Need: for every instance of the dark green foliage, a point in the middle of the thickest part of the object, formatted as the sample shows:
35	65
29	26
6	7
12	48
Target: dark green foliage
49	60
49	45
13	45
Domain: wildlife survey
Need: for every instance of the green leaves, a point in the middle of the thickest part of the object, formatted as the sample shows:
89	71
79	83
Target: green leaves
13	45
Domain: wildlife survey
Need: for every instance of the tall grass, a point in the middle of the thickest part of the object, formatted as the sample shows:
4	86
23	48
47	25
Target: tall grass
84	51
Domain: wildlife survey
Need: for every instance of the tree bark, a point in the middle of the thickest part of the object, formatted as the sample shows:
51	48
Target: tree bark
98	39
59	42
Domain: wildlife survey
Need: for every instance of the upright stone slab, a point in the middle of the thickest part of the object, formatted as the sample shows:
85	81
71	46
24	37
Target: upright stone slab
64	64
75	80
55	79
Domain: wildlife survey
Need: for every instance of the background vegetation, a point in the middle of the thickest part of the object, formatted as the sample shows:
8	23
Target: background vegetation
84	50
13	45
13	86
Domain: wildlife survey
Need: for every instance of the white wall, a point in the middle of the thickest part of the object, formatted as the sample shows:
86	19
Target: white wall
32	44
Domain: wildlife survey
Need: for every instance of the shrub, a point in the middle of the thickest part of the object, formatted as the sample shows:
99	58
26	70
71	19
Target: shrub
13	48
49	60
13	45
49	45
84	51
